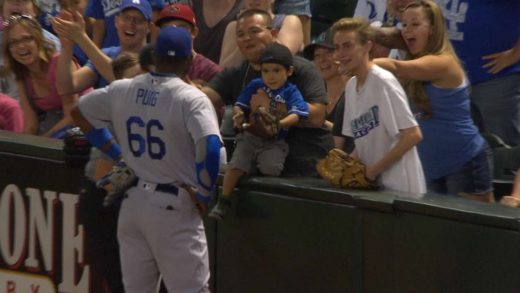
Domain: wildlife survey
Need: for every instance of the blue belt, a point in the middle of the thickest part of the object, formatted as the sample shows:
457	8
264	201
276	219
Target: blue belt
167	188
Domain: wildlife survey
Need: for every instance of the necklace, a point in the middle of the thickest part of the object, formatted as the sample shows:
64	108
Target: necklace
245	76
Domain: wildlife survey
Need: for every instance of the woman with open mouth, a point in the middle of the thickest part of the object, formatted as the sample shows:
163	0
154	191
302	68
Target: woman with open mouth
33	59
455	157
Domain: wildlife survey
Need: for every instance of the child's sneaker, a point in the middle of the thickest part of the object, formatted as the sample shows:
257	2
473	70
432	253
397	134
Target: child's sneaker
220	210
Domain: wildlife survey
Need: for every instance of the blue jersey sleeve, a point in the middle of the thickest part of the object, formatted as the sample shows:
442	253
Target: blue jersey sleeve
98	137
244	100
294	101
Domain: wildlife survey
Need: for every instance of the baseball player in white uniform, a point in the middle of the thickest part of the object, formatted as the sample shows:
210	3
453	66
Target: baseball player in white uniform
169	135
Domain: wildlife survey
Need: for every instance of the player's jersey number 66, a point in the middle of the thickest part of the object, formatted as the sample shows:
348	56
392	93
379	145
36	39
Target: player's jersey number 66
151	143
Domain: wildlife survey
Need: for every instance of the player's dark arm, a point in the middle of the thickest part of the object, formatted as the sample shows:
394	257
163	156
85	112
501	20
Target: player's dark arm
207	161
101	138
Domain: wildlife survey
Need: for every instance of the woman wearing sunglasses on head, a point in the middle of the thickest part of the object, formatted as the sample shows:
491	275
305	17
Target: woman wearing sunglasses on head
33	60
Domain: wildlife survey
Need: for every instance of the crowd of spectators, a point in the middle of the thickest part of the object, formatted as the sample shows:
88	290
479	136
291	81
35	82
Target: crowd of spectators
75	42
72	44
458	62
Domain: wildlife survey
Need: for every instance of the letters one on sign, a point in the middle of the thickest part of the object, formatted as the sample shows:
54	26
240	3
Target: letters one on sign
41	243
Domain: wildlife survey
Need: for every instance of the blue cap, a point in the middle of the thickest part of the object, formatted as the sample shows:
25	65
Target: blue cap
142	5
173	42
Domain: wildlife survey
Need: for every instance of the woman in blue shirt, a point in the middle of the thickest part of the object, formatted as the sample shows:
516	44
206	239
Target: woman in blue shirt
454	155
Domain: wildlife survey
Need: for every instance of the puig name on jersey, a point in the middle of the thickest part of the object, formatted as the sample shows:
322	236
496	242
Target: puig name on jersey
146	97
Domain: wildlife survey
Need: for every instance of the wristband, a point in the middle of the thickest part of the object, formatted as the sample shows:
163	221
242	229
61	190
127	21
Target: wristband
114	151
98	137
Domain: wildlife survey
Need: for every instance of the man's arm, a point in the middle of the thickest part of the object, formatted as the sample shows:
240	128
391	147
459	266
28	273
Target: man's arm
70	81
309	82
317	114
73	28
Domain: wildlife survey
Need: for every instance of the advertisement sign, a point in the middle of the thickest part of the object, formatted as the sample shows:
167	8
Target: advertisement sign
42	244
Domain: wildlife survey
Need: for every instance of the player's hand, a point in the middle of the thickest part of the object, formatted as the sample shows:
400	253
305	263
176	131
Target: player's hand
119	179
192	191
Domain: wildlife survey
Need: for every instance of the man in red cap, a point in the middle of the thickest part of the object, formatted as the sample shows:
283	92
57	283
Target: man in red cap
181	15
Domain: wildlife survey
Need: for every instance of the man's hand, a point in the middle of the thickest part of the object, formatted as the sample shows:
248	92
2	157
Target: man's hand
238	117
69	26
192	191
498	61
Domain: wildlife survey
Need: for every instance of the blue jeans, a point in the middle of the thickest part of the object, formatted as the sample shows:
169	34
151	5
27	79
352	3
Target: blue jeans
498	101
474	177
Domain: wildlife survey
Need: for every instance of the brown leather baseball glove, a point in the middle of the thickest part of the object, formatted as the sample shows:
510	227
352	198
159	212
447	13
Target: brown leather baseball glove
263	123
342	170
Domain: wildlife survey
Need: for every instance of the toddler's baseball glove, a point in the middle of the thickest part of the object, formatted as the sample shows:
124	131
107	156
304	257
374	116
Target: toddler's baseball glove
263	124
